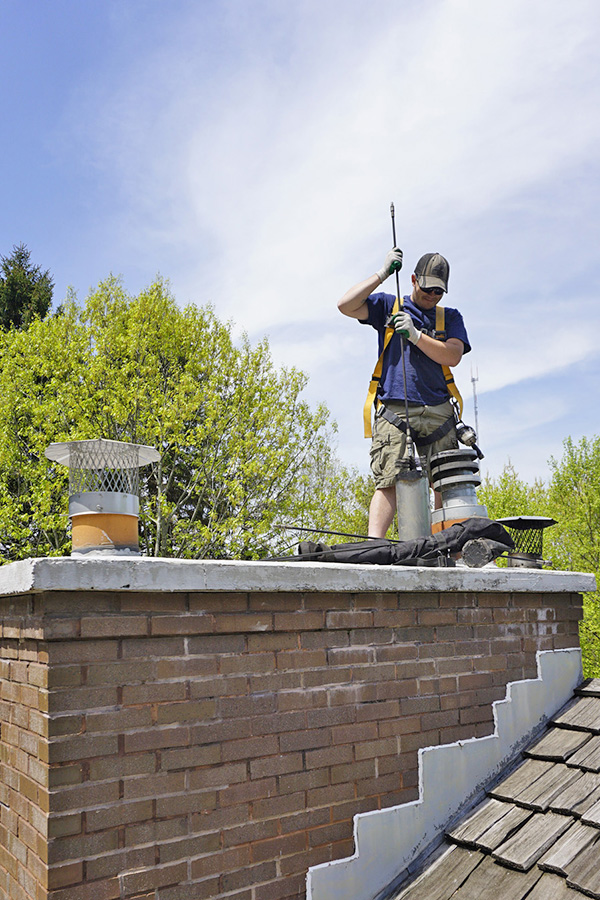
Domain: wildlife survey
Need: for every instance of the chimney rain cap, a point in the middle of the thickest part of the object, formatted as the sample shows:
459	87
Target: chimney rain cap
112	452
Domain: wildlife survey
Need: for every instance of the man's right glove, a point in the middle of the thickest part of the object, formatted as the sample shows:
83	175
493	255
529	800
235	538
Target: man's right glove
405	326
393	263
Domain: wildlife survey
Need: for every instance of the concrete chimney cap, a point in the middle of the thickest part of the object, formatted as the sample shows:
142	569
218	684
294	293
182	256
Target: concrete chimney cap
112	452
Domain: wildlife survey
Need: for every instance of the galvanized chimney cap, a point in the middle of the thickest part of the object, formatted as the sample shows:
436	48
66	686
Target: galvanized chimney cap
112	452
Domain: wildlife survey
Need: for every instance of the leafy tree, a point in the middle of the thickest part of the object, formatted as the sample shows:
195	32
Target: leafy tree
511	496
572	497
239	448
25	291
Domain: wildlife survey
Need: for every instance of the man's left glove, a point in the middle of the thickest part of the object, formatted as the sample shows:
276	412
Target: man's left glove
393	263
404	326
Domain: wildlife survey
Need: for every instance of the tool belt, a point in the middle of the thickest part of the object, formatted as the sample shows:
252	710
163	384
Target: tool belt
405	428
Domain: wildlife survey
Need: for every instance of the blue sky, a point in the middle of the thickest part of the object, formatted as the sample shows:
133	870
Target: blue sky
248	151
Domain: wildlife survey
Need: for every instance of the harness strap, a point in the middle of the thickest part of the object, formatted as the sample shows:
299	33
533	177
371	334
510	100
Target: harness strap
440	321
440	334
420	441
376	376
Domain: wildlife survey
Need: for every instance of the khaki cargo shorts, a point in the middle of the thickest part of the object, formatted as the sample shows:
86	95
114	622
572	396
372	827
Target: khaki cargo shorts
388	448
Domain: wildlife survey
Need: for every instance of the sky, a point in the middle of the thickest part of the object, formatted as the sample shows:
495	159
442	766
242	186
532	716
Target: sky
248	152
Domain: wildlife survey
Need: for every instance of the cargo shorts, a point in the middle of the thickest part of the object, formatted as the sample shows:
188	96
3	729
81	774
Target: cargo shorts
388	447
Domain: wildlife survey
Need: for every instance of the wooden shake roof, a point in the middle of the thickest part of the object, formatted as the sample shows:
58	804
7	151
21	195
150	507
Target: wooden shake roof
537	834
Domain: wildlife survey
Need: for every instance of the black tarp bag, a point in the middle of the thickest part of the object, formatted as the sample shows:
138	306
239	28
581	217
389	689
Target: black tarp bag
493	539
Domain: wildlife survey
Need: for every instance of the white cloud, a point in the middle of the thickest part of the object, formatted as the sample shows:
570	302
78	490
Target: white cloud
256	146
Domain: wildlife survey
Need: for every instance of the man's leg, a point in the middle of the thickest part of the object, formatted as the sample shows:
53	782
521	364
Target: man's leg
381	511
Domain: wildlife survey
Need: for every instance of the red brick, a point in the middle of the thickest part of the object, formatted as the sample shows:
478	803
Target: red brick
113	626
84	746
244	622
187	667
250	748
446	616
299	620
249	875
153	647
226	860
240	707
182	804
155	738
282	764
284	680
82	698
79	846
173	850
166	692
153	603
346	734
206	889
275	600
303	781
248	664
216	643
217	601
377	711
152	878
324	640
282	889
262	643
394	618
154	785
111	721
83	651
218	776
337	715
281	722
305	740
351	694
190	711
108	889
328	756
349	656
349	619
279	847
279	806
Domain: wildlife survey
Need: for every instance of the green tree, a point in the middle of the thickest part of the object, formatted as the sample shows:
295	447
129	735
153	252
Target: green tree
239	447
509	495
574	543
572	498
25	291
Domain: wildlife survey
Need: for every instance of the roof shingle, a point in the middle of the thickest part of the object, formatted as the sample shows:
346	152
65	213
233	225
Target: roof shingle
537	835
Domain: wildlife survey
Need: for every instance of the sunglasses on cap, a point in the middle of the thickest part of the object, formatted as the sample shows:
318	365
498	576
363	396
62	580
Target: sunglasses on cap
437	292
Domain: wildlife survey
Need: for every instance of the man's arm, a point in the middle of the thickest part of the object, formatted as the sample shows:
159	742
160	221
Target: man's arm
446	353
353	303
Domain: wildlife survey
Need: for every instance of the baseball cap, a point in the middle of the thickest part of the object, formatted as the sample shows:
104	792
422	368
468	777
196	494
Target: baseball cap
433	270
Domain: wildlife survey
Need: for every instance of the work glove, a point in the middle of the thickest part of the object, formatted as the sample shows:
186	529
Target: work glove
393	263
404	326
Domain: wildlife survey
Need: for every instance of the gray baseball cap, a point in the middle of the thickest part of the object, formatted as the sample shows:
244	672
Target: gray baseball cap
433	270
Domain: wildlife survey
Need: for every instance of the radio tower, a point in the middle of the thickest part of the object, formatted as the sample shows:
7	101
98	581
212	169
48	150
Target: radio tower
474	379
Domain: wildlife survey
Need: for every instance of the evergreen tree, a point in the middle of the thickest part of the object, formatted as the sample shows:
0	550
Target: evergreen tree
25	291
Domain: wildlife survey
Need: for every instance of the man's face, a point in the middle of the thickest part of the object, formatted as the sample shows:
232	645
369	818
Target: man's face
422	298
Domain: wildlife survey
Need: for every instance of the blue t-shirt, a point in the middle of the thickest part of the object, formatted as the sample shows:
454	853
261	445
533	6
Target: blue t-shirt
424	378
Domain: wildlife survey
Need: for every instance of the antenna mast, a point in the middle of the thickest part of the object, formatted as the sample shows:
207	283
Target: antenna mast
474	379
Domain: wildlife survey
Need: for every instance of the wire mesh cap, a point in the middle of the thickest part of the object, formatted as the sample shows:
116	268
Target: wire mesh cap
527	532
102	465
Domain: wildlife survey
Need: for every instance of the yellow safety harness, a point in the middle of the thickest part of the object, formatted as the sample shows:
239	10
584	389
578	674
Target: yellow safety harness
440	334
